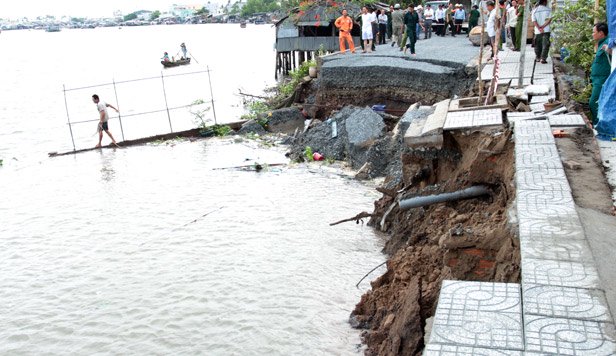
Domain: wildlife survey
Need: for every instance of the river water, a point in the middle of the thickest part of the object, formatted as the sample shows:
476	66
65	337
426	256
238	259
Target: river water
159	249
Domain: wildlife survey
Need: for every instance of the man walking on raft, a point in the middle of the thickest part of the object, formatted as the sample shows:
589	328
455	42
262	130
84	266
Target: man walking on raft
103	124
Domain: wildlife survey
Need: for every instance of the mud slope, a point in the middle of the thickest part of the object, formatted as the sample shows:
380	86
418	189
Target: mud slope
465	240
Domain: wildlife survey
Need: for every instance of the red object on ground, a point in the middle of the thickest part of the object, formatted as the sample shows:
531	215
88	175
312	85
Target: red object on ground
317	156
559	133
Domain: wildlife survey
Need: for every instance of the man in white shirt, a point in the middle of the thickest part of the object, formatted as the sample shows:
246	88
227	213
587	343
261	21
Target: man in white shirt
366	29
428	18
542	17
439	15
512	21
491	26
103	125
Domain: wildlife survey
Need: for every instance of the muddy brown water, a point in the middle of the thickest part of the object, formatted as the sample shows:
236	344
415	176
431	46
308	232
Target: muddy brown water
155	250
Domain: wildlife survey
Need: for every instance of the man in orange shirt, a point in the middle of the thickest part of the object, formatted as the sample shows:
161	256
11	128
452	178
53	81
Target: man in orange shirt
345	24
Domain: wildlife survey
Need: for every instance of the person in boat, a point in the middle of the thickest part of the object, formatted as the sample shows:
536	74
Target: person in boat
166	57
103	124
184	51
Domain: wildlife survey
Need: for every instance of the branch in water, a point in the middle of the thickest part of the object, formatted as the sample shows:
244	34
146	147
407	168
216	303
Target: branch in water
356	218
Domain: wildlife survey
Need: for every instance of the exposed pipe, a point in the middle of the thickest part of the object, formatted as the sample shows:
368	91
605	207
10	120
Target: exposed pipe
467	193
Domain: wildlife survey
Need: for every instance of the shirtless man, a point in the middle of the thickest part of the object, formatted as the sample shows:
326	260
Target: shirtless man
103	124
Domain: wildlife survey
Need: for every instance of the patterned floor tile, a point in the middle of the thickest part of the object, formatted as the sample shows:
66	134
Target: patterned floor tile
458	119
568	336
490	117
530	126
553	247
553	205
479	314
541	178
535	138
537	156
456	350
539	99
537	107
537	228
559	273
565	302
566	120
544	69
473	118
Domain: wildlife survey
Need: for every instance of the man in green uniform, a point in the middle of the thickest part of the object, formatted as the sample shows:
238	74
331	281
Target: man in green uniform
449	20
411	19
518	26
473	20
600	69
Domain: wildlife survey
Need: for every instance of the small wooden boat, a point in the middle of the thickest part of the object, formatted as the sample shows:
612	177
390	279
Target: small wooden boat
243	24
179	62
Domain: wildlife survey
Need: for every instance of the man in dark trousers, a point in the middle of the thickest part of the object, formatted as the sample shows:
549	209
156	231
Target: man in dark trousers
601	67
411	19
103	116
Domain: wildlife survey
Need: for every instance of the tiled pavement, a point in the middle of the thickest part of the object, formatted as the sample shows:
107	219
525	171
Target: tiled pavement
559	308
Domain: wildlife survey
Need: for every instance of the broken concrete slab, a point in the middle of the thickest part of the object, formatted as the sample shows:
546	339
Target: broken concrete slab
429	132
517	94
363	126
467	104
475	118
285	120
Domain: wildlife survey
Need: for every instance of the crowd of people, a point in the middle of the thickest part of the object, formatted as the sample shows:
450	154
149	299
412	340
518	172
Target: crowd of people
503	20
404	27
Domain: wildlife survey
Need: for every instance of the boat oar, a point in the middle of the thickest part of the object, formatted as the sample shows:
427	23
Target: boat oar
193	57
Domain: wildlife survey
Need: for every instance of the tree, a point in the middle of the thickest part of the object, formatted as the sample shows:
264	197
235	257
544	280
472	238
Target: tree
572	29
235	9
202	11
130	16
155	15
255	6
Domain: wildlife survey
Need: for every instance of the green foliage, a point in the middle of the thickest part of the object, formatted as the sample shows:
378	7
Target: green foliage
235	9
308	154
155	15
221	130
296	77
198	111
256	110
572	29
130	16
581	91
321	51
255	6
1	162
202	11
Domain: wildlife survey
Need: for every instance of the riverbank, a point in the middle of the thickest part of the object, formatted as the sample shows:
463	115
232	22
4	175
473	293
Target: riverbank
481	242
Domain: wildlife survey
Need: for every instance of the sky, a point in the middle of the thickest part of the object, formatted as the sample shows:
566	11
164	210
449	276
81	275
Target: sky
82	8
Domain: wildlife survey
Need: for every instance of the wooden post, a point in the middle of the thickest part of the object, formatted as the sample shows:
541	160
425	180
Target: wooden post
523	42
480	66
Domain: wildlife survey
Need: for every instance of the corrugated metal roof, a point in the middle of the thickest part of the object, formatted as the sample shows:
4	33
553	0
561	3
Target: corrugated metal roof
313	23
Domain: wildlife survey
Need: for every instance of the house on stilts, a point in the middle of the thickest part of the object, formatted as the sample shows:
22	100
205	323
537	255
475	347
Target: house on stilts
310	29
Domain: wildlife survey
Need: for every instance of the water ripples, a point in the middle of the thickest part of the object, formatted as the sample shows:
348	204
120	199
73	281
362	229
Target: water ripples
109	252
